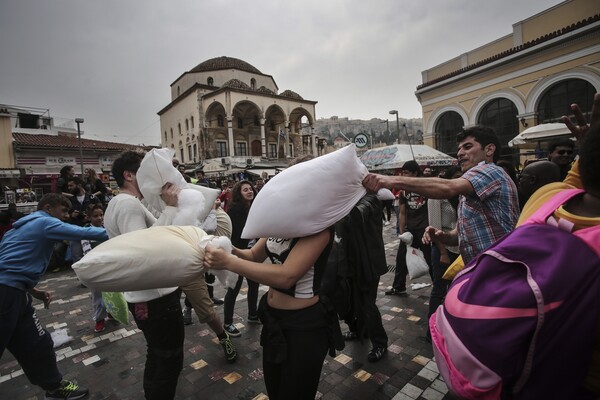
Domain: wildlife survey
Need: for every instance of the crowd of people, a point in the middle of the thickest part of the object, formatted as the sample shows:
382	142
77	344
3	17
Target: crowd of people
453	216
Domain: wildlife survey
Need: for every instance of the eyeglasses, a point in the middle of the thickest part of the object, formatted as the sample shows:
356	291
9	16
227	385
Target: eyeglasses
563	152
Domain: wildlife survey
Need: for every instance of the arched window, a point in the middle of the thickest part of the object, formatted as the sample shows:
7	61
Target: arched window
557	99
187	125
171	133
179	128
192	122
446	128
220	120
501	115
165	136
253	83
240	123
210	81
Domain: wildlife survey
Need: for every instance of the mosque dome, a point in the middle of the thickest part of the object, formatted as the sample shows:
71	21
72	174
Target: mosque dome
219	63
292	94
265	90
236	84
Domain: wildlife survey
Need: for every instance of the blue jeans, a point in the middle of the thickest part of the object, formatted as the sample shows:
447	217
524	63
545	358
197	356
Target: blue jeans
440	285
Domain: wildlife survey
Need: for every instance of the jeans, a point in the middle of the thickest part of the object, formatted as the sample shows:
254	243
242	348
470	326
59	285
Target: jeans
440	285
161	322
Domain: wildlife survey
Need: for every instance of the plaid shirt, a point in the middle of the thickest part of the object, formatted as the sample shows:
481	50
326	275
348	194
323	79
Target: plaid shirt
487	214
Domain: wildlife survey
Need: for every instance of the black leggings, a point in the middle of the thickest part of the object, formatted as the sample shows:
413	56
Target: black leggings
231	295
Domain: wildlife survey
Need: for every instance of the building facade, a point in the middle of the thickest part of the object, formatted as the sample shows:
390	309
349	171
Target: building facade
526	78
36	146
226	111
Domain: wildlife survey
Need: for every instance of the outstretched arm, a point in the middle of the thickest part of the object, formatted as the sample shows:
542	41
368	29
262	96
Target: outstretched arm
432	188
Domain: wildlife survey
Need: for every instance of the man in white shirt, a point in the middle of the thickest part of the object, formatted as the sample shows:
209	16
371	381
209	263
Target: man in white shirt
157	312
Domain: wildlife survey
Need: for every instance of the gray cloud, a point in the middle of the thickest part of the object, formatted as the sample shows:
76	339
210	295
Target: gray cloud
112	62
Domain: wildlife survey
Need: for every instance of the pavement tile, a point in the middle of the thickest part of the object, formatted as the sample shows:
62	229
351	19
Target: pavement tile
111	364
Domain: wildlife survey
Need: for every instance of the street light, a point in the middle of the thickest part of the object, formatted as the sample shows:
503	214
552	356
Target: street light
395	112
409	143
80	121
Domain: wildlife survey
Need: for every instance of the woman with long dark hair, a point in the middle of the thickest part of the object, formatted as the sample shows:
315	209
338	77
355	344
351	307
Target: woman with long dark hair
242	196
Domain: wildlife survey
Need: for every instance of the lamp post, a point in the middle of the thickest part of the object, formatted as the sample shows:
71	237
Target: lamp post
80	121
395	112
409	143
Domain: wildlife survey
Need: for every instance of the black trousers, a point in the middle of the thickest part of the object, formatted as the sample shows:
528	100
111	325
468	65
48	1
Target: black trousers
295	343
231	296
23	335
161	322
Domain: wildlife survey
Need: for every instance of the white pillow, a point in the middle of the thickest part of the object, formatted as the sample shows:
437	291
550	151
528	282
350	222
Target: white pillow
308	197
158	257
156	169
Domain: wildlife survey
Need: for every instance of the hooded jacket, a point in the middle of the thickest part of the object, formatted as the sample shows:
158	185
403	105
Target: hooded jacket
26	249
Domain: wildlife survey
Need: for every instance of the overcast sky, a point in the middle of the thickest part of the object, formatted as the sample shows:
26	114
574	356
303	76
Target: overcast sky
111	62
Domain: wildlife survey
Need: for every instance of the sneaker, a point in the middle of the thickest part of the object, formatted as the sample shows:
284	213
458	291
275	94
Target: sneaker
100	326
232	330
187	316
349	336
253	319
376	354
68	391
395	292
217	302
228	348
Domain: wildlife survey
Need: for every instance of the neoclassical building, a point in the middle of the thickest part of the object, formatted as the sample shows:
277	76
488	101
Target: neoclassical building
227	111
526	78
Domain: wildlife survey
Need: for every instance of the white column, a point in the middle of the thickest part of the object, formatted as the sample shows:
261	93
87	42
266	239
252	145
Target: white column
263	138
230	136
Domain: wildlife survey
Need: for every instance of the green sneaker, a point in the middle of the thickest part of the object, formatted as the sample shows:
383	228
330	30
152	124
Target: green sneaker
228	348
67	391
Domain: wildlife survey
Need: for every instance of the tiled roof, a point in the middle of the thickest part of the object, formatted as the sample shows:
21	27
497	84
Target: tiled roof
514	50
237	84
218	63
265	90
67	142
292	94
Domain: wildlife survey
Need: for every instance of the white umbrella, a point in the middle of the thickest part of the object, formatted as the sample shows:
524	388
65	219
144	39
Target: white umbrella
540	132
394	156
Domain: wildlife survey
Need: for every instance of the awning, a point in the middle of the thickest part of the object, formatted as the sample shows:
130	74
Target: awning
394	156
540	132
271	172
225	172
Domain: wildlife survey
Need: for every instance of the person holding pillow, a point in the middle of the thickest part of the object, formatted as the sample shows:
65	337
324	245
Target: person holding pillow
296	325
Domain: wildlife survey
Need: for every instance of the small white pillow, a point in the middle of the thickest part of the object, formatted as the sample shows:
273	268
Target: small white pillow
156	169
308	197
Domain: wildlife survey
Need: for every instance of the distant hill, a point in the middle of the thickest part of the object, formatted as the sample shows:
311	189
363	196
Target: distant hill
330	128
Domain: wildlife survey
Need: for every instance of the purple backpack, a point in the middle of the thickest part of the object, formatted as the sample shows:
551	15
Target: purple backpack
519	322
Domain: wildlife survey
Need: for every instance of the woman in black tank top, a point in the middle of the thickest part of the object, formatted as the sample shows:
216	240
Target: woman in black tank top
296	326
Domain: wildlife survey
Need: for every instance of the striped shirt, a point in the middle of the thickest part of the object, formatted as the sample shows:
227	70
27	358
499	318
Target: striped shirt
487	214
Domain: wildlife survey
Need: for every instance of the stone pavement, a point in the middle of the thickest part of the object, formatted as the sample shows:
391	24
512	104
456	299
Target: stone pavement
111	363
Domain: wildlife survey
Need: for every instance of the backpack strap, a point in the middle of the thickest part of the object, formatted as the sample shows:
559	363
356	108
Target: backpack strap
540	216
543	215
